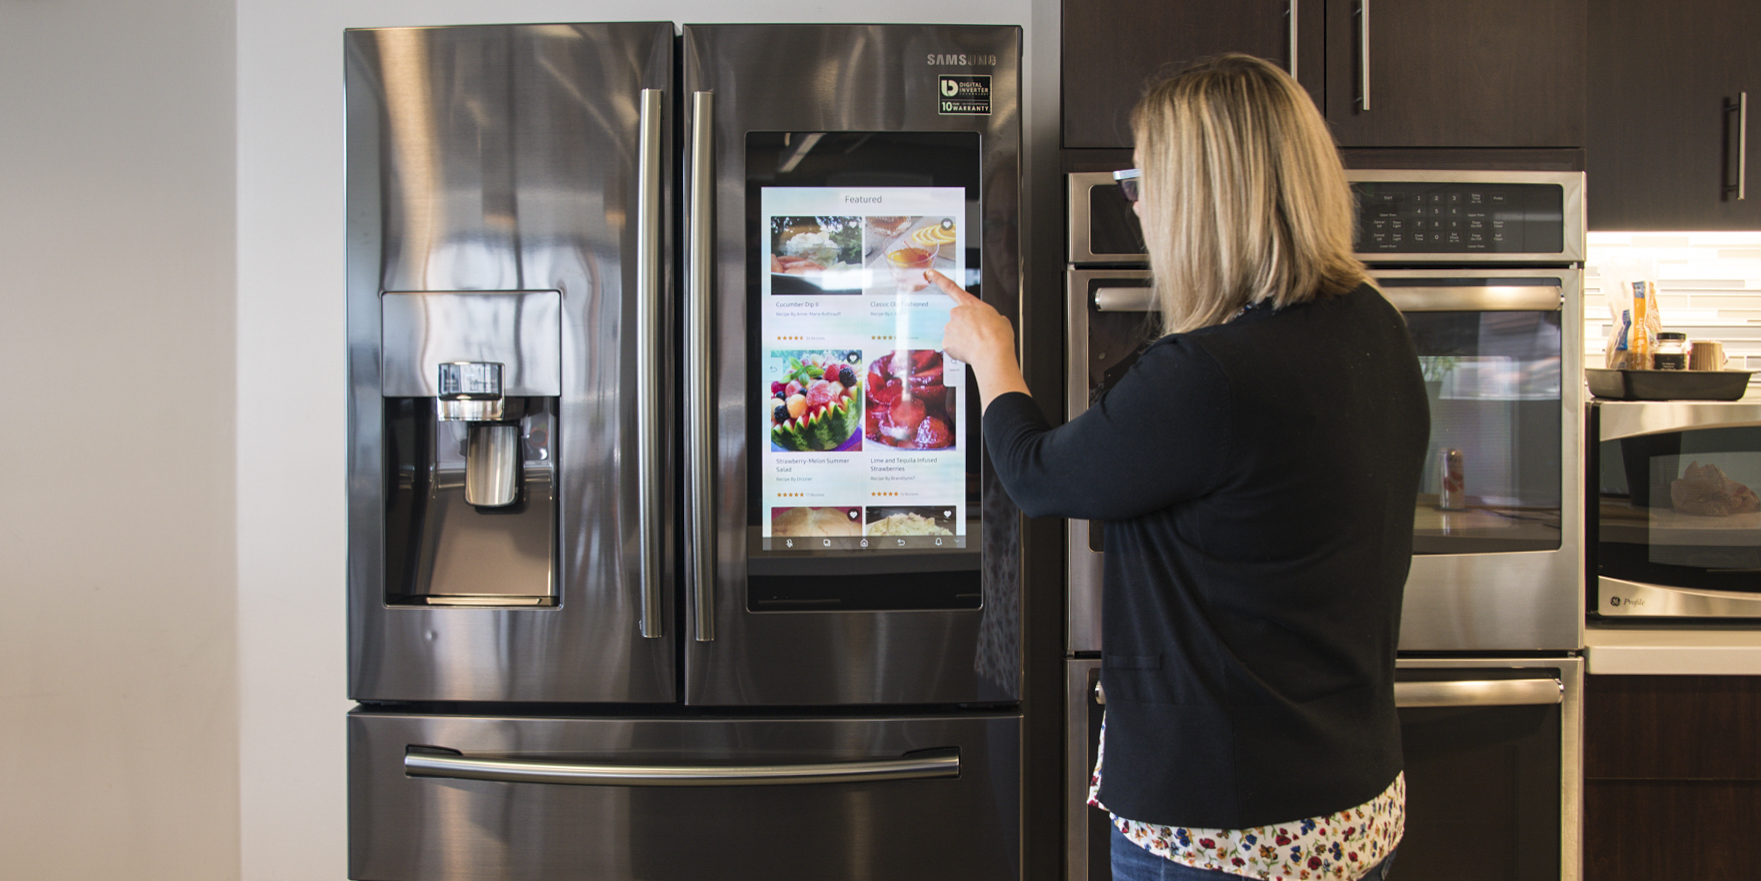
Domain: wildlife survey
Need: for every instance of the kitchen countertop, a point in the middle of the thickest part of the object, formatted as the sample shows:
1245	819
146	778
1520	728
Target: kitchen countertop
1679	649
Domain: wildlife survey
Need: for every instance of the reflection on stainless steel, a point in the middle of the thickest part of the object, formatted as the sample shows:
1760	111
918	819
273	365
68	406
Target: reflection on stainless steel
920	765
457	195
520	330
963	827
850	657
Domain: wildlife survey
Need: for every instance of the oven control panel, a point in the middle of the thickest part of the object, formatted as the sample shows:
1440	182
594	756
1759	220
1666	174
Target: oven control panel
1410	217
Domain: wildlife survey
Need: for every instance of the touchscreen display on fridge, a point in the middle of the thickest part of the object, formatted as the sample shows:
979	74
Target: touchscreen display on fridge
863	440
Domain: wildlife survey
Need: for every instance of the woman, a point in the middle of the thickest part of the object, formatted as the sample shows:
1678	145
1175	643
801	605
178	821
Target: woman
1256	471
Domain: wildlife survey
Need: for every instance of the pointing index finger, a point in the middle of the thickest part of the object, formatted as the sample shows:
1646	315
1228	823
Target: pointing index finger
948	287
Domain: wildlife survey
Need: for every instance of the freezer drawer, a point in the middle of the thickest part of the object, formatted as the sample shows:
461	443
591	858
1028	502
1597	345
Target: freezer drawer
447	797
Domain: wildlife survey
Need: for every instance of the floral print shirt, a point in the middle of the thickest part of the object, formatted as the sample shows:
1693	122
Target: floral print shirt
1341	846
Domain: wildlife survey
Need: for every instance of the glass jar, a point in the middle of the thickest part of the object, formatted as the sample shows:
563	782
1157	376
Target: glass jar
1671	352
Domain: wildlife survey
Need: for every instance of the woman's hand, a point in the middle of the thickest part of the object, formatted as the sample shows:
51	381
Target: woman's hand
980	336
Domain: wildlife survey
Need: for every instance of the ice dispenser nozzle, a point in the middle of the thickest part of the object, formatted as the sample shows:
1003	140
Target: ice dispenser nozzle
470	391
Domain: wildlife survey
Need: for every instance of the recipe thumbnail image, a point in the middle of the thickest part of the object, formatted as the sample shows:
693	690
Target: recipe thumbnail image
816	255
911	520
899	249
909	406
815	400
815	522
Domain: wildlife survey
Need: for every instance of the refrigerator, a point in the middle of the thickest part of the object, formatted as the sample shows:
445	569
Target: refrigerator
673	549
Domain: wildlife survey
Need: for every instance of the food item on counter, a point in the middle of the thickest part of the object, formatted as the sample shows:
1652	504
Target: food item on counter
816	406
815	522
1707	490
909	406
906	524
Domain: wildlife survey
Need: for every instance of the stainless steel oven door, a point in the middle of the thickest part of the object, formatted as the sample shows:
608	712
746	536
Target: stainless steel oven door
1498	558
1493	770
1109	320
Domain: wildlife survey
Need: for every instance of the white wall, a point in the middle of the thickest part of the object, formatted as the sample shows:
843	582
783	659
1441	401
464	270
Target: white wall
118	709
290	372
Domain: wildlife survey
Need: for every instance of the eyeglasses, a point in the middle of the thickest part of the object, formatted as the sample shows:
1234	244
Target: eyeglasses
1126	178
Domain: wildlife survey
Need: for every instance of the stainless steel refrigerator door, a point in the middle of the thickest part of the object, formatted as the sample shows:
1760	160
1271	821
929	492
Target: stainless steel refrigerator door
809	78
435	798
525	159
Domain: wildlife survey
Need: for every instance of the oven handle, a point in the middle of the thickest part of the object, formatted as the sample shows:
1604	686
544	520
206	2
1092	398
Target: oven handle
1479	693
447	765
1476	298
1139	299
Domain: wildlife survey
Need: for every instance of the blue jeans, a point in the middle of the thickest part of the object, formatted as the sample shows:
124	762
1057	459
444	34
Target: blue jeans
1133	863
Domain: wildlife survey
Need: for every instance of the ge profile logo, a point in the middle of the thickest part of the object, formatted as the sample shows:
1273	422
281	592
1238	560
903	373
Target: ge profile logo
963	94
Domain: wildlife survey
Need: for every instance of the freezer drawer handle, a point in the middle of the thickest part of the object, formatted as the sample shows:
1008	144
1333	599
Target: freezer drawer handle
920	765
1479	693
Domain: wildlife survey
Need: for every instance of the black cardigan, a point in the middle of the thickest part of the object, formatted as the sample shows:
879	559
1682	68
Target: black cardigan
1257	482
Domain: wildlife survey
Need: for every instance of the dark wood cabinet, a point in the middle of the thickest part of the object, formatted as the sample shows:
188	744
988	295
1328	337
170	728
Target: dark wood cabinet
1664	137
1440	73
1456	73
1672	776
1113	48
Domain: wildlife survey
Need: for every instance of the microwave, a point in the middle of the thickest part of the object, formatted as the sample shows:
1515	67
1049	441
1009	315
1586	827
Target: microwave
1673	520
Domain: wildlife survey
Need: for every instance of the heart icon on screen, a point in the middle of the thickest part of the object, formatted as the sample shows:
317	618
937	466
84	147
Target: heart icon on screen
947	513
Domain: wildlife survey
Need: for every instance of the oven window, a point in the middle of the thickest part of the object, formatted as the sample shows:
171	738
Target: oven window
1492	482
1680	509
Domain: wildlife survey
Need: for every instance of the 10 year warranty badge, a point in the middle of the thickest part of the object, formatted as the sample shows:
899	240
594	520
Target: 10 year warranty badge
964	94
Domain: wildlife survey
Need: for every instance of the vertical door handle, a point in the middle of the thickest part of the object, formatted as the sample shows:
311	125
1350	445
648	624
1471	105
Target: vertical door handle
1741	108
1293	39
651	517
699	389
1363	53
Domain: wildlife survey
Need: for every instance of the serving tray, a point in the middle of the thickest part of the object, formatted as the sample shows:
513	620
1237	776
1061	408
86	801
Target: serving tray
1667	385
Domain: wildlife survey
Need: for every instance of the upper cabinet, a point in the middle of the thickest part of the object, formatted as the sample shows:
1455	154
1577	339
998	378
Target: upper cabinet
1670	85
1387	73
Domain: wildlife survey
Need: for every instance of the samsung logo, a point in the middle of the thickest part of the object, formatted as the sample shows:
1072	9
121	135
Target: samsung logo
961	60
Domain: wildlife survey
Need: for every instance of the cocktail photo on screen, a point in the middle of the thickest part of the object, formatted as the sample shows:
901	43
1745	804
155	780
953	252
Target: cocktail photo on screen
915	245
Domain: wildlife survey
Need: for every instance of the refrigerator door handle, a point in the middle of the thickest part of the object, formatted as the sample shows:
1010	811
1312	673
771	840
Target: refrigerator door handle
699	409
651	516
448	765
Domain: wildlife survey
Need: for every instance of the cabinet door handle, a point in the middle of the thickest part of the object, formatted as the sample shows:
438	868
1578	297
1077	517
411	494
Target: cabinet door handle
1741	108
1293	39
1363	53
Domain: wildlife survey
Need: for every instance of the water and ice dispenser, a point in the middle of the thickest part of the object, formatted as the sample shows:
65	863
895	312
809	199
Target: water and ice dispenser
470	382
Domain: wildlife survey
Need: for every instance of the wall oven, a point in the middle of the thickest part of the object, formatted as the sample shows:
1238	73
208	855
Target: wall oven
1675	526
1487	268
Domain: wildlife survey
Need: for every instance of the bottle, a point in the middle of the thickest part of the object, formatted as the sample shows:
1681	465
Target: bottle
1639	337
1671	352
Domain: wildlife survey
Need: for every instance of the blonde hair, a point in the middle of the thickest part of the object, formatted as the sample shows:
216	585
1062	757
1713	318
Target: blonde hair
1243	196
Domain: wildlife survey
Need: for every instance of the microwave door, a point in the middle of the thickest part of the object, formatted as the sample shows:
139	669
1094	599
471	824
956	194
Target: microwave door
862	551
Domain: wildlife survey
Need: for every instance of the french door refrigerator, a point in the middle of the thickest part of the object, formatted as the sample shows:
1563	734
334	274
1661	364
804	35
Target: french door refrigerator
673	552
